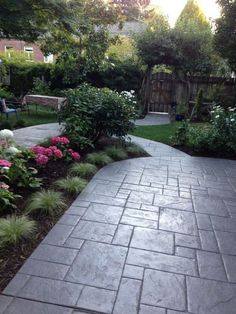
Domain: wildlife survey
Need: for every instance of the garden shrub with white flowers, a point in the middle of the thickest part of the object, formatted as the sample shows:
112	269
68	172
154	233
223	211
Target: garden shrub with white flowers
216	139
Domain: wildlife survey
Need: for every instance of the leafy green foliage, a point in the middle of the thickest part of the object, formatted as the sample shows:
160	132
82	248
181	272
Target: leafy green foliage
225	34
40	87
7	199
92	112
116	153
4	93
98	159
83	170
219	137
21	175
182	109
45	202
13	229
71	185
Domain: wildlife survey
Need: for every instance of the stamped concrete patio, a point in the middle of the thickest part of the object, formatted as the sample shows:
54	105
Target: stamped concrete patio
152	235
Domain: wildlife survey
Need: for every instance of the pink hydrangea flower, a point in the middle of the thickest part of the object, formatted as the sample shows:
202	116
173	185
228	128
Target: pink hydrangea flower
48	152
5	163
58	153
38	150
41	160
75	155
59	140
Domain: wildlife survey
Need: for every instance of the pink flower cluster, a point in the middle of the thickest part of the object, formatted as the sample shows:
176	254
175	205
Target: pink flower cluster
60	140
57	151
5	163
74	154
43	154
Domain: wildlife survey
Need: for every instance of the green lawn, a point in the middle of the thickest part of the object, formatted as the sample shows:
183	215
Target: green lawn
41	116
160	133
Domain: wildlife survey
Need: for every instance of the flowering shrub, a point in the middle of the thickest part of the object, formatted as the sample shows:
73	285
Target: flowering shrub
59	150
218	137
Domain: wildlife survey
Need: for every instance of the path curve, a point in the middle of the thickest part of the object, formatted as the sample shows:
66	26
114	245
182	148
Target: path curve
152	235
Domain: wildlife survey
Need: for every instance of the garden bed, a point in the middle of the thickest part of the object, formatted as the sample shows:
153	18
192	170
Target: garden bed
12	257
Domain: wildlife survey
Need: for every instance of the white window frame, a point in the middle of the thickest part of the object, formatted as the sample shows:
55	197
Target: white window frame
8	50
29	51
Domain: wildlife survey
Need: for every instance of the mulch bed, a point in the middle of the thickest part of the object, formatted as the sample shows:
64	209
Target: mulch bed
209	154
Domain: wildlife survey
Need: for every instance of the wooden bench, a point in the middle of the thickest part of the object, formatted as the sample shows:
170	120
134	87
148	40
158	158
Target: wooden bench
48	101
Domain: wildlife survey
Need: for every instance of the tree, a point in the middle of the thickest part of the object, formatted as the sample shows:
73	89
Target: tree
29	19
192	12
194	40
132	9
225	34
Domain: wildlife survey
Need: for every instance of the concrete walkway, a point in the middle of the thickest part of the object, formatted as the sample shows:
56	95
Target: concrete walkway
153	119
152	235
33	135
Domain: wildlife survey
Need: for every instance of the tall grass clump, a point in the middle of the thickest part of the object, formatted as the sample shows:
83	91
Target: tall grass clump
46	202
13	229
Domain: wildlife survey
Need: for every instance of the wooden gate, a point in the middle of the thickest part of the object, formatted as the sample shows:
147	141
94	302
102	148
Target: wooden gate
160	93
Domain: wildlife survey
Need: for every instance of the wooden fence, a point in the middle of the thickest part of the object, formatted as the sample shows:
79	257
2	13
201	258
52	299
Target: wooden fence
164	90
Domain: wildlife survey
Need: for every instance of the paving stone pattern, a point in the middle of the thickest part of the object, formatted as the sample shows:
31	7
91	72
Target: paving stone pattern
152	235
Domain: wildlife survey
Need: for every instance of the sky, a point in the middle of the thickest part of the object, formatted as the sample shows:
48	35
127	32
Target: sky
172	8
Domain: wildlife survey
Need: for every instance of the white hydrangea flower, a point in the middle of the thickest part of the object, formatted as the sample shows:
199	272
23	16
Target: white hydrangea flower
6	134
13	150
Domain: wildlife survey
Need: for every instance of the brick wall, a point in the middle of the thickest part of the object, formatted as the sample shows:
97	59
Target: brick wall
19	45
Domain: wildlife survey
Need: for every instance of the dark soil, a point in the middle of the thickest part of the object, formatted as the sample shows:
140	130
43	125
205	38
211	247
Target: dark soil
12	258
209	154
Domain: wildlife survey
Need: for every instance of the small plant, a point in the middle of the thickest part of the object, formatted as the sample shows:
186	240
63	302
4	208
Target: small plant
13	229
46	203
135	151
71	185
83	170
116	153
99	159
181	134
7	197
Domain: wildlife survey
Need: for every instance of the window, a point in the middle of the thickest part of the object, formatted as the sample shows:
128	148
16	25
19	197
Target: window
8	51
48	59
29	51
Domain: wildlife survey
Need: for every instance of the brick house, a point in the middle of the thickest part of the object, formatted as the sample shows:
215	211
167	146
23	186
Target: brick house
32	51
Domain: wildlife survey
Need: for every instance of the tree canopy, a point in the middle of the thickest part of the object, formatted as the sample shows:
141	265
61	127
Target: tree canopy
225	34
132	9
187	48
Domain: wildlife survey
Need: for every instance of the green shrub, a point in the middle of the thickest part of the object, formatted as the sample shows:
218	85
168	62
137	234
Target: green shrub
13	229
83	170
135	150
46	203
4	93
181	134
98	159
92	112
71	185
40	87
116	153
21	175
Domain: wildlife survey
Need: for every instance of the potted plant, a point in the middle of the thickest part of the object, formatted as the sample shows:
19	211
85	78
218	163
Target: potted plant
181	112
